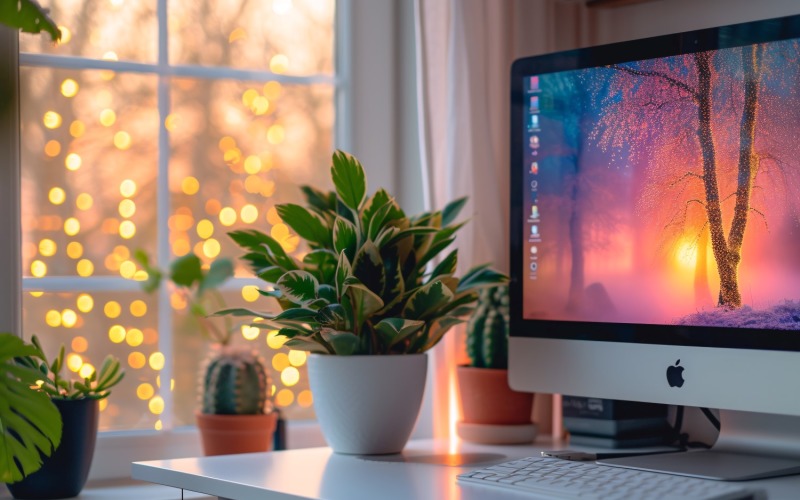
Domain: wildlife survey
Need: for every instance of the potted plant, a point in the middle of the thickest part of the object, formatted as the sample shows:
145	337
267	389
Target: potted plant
492	412
365	302
63	474
28	16
236	413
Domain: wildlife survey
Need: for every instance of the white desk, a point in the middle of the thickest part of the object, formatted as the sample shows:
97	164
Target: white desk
318	473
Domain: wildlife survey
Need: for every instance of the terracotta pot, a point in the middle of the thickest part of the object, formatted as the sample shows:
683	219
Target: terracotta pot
229	434
486	398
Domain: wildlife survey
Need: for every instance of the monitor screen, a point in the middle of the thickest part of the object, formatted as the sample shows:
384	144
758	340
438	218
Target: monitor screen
656	190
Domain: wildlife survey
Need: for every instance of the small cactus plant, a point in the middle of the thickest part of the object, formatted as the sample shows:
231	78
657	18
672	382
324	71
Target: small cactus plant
235	382
487	330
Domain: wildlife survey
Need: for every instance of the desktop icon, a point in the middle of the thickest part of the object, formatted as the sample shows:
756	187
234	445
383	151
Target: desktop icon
534	266
533	142
533	84
534	167
534	103
534	212
534	230
534	185
535	122
534	250
675	375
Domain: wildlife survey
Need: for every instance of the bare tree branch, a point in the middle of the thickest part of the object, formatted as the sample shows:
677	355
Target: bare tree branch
672	81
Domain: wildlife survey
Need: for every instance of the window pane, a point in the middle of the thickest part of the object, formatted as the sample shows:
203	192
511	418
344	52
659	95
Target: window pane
92	325
284	36
89	161
100	29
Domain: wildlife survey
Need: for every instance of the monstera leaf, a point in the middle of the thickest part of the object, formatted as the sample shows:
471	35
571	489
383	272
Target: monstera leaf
29	422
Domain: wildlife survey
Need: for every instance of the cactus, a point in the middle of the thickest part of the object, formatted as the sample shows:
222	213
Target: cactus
235	382
487	330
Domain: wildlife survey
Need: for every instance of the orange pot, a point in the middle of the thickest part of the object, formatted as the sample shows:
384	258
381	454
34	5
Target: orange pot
229	434
486	398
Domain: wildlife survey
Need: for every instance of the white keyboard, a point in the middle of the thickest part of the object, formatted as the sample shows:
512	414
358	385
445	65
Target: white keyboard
554	478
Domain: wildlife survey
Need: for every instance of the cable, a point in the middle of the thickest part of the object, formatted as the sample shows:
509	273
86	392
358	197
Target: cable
711	418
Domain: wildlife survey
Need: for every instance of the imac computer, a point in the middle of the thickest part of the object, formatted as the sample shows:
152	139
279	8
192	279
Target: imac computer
655	234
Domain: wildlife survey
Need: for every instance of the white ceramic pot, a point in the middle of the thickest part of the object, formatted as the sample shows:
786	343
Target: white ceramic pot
367	405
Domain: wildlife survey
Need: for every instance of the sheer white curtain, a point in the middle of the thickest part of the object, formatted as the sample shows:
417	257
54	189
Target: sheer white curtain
464	53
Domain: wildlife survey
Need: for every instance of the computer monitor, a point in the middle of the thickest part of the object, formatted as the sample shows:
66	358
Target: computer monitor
655	226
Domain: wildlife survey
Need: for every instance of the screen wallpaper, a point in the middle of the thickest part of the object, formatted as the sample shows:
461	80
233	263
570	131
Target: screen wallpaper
666	191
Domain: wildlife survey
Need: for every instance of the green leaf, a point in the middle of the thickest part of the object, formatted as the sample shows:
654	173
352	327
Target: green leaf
219	271
186	270
378	220
271	274
451	211
392	331
345	237
481	276
349	179
325	202
447	266
307	224
364	301
343	343
306	344
427	300
332	316
395	284
437	330
29	421
343	271
261	243
328	293
322	264
28	16
298	286
368	268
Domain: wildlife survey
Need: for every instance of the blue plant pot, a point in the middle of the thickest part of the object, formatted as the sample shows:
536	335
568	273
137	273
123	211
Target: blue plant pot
64	473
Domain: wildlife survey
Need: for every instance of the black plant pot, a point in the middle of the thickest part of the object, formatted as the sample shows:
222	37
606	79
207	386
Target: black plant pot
64	473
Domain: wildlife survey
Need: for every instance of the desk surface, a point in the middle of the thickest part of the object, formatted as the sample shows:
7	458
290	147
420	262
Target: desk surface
426	469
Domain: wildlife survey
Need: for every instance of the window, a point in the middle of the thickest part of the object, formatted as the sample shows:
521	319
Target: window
162	125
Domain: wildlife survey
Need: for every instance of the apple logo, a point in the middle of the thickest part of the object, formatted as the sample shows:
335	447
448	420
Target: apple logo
675	375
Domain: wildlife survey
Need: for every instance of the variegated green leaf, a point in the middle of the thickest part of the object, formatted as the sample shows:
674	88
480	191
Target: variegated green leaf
298	286
343	343
258	242
307	343
427	300
368	268
481	276
322	264
451	211
364	301
395	330
343	271
349	179
345	237
320	200
307	224
447	266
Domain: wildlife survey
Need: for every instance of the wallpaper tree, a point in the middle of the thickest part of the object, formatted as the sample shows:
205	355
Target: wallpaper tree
709	149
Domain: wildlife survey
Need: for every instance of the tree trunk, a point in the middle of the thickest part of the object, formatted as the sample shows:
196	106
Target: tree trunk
702	290
576	275
729	295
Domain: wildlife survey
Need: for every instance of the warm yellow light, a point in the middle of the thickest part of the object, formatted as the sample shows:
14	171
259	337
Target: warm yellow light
47	247
36	294
127	208
276	134
127	269
297	358
232	156
108	117
73	161
79	344
190	185
250	332
252	184
69	87
51	120
250	293
227	216
145	391
227	142
103	404
181	247
127	229
272	90
279	63
274	340
85	268
57	196
686	254
171	122
252	164
211	248
305	399
260	105
290	376
249	96
122	140
281	6
157	361
284	398
74	362
280	361
127	188
116	334
72	226
237	34
140	275
38	269
68	318
158	425
268	188
66	35
85	303
138	308
86	370
205	229
77	128
112	309
136	360
156	405
53	318
52	148
134	337
279	231
122	252
74	250
84	201
248	213
110	56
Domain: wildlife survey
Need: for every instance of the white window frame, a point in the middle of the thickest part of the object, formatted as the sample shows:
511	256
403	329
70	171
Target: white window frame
372	64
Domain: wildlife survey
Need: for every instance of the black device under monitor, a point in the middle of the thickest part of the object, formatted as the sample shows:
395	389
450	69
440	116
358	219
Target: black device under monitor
655	222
